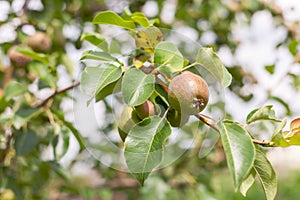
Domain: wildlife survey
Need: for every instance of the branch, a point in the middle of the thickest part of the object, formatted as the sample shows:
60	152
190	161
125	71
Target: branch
44	102
210	122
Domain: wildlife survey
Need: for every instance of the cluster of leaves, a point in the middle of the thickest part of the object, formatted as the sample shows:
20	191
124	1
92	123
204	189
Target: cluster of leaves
30	123
138	81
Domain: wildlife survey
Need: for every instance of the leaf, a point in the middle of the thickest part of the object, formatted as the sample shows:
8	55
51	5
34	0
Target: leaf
210	138
59	115
3	104
114	47
59	170
25	142
65	141
168	57
270	68
239	150
137	87
282	102
35	56
162	94
112	88
98	55
109	17
144	146
23	115
14	89
247	183
68	63
295	139
266	174
263	113
208	59
141	19
148	38
295	124
294	136
96	40
95	79
279	137
43	72
140	59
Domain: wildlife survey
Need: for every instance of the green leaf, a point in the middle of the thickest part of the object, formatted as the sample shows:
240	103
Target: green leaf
282	102
98	55
263	113
208	59
43	72
108	90
35	56
25	142
278	138
266	174
148	38
23	115
168	57
59	115
209	138
293	46
64	133
270	69
95	79
14	89
3	104
109	17
114	47
68	63
141	19
144	146
162	94
96	40
137	86
59	170
247	183
239	150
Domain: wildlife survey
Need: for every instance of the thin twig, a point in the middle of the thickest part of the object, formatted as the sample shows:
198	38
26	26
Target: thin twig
208	121
264	143
44	102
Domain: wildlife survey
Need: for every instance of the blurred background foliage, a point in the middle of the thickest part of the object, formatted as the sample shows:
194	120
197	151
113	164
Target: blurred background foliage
35	135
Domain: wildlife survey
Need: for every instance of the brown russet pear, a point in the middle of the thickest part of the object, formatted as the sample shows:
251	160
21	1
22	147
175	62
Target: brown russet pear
39	42
17	59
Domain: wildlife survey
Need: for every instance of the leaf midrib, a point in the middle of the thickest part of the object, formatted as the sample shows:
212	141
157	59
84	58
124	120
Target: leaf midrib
148	152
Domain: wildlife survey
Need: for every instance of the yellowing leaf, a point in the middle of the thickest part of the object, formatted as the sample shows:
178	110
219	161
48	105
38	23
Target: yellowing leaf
148	38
